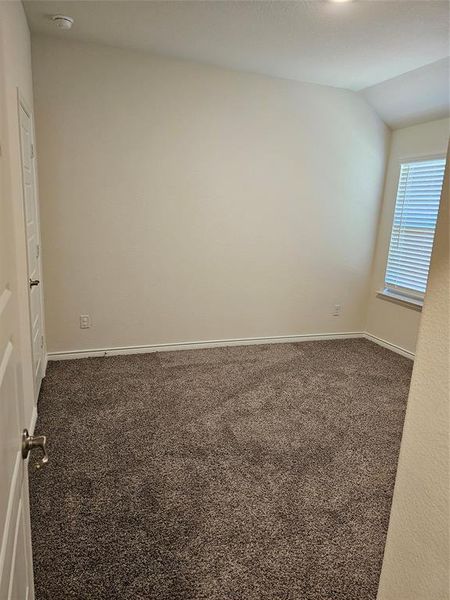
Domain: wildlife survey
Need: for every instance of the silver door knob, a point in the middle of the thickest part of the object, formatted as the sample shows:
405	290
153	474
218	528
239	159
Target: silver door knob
30	442
34	282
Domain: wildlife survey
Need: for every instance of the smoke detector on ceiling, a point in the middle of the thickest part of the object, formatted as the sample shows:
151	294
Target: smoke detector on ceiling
62	22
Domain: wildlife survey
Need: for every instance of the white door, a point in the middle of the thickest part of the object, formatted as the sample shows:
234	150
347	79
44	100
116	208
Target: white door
33	243
16	573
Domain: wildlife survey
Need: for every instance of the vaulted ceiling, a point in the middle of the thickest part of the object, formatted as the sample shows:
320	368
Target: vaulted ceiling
354	45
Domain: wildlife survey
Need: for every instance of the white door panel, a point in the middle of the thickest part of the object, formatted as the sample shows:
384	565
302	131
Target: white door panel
32	234
16	577
10	424
16	572
18	586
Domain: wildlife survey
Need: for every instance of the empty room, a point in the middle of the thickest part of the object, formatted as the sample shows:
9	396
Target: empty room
224	300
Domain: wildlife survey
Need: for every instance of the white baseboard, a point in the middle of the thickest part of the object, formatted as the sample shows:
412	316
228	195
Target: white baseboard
286	339
389	345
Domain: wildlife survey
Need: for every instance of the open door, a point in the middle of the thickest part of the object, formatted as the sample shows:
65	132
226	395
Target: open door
16	569
31	213
16	573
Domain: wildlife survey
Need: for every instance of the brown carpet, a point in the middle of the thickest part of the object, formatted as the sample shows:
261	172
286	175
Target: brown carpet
249	473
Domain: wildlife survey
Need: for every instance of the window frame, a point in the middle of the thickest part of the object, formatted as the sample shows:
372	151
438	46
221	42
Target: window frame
408	298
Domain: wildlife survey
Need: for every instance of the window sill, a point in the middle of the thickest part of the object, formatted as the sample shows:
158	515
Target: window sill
415	304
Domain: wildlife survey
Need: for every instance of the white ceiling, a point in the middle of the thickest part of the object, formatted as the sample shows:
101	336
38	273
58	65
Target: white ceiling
354	45
417	96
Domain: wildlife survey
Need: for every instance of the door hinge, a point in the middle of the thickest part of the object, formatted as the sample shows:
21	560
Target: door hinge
32	150
38	250
42	341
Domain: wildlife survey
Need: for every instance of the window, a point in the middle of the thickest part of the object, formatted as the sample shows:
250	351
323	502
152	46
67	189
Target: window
416	211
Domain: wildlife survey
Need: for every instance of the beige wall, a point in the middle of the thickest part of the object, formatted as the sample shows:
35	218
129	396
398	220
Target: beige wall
387	320
15	66
417	559
183	202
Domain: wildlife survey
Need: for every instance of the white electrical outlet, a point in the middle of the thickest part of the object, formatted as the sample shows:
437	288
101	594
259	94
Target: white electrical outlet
336	310
85	321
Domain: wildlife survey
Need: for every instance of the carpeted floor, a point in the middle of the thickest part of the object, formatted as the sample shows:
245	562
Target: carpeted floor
246	473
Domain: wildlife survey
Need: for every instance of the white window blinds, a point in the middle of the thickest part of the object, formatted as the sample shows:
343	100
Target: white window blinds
416	211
